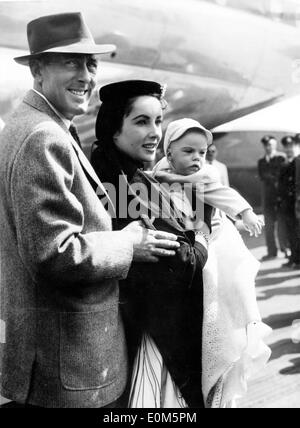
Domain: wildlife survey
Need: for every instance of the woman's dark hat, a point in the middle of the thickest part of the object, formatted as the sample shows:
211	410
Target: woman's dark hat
62	33
131	89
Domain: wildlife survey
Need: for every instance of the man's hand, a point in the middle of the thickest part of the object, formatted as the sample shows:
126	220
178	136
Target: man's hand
252	223
149	245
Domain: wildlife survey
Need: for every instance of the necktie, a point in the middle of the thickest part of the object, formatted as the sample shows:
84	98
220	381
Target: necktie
74	133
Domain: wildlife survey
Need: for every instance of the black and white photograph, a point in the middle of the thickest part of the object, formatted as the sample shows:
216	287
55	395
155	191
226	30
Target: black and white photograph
150	206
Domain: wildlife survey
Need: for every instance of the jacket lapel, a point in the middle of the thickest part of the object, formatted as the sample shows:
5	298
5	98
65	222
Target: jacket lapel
33	99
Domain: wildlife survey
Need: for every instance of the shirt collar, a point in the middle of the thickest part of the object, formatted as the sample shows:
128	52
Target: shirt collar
269	157
65	121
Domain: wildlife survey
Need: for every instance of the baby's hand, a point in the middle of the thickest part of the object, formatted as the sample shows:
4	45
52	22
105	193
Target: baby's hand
252	223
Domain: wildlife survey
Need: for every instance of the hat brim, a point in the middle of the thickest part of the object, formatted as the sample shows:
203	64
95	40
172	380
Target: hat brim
76	48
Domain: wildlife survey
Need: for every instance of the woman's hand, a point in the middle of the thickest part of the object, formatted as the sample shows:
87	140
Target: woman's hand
252	223
149	245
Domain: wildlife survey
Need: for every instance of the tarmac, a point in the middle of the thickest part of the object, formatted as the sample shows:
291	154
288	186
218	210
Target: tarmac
278	294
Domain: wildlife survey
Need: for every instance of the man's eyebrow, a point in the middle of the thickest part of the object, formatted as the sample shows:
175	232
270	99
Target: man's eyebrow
79	56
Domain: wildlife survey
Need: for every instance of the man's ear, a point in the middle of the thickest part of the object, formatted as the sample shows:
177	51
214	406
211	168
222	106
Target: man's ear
36	70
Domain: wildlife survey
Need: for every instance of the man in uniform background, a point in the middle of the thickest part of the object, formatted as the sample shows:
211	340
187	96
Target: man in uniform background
269	170
287	199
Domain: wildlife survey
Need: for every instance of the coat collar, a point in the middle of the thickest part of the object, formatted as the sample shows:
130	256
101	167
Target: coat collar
66	121
33	99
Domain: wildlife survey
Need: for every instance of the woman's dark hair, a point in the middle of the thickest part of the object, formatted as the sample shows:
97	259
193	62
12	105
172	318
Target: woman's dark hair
111	116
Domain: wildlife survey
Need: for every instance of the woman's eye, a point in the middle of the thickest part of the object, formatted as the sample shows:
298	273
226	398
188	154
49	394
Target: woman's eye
141	122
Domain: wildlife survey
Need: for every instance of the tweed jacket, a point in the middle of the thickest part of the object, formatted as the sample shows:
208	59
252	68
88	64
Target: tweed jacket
60	266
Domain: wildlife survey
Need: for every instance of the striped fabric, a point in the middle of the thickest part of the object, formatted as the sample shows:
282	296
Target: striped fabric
152	386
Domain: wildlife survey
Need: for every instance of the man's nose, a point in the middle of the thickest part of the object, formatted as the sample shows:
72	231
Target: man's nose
85	75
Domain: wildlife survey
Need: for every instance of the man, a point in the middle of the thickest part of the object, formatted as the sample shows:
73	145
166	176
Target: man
297	160
269	169
287	199
60	260
211	157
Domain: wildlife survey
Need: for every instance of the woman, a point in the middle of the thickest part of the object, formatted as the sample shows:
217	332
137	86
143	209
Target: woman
165	302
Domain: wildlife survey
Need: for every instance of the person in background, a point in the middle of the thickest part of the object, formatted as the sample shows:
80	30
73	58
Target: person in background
211	158
287	199
297	138
269	169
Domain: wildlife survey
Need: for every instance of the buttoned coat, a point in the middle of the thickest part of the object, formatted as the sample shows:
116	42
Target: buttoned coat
269	175
298	187
60	266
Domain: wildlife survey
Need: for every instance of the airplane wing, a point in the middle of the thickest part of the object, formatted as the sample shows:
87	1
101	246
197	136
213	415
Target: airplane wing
225	123
281	117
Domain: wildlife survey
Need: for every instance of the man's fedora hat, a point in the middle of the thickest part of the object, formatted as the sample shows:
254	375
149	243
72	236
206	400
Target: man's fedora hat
62	33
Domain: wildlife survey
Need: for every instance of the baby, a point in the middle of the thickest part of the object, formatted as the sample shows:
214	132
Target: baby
186	143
